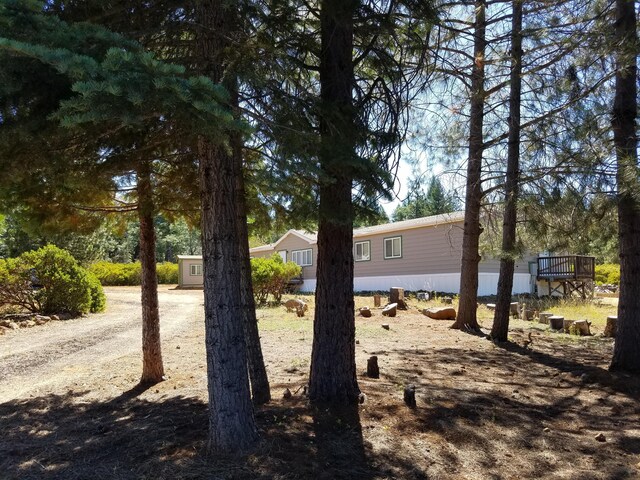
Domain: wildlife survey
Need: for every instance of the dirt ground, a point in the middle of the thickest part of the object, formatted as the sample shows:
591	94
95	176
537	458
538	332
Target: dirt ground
69	408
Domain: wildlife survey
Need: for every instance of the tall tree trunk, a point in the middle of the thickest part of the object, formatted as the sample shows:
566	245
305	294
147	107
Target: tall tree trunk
471	238
500	329
333	368
257	371
152	367
626	353
231	421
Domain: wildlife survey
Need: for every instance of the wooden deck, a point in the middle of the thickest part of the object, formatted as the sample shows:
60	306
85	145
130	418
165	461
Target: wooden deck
568	275
567	267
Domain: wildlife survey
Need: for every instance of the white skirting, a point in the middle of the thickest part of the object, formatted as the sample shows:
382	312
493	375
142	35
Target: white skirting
443	282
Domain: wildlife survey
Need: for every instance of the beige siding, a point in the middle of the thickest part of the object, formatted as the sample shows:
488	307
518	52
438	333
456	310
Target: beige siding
293	242
188	280
435	249
492	265
263	254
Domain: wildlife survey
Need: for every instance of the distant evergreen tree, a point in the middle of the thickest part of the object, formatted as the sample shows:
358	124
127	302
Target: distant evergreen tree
418	204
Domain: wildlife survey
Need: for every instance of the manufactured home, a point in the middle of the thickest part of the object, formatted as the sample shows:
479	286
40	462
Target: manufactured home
423	254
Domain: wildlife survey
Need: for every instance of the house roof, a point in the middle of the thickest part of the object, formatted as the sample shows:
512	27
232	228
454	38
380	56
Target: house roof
433	220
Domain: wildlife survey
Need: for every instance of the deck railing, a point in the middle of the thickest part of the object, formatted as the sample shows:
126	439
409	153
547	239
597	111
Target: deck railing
567	267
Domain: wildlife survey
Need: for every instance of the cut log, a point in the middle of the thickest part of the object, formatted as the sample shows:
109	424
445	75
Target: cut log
566	325
544	317
513	308
390	310
372	367
556	322
491	306
610	329
410	396
396	295
447	300
581	327
365	312
376	300
385	326
443	313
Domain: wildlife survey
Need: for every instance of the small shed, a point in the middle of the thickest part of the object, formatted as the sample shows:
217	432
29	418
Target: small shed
190	271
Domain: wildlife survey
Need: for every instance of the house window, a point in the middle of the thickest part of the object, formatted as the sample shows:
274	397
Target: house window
196	270
393	247
362	251
301	257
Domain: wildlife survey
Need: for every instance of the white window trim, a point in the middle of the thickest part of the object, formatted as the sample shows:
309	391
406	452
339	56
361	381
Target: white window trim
391	239
302	254
197	268
355	250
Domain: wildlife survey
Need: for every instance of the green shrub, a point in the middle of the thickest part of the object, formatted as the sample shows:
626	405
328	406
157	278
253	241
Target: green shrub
167	273
117	274
49	280
122	274
608	273
270	277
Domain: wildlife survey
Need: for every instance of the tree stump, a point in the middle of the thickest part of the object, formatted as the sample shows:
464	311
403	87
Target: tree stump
373	371
566	325
410	396
513	309
556	322
610	329
390	310
581	327
376	300
396	295
544	317
365	312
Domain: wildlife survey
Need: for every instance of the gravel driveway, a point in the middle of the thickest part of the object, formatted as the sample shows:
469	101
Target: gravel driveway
33	357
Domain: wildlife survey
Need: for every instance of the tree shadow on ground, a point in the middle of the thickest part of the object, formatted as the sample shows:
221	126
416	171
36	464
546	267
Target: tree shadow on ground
71	437
526	414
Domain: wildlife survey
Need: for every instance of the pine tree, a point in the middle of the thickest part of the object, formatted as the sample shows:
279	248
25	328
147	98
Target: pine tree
117	104
626	353
231	422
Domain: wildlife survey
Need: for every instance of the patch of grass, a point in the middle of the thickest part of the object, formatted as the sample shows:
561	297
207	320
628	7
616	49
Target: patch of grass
576	309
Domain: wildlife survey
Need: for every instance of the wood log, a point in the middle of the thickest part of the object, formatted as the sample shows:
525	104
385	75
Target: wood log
556	322
566	325
544	317
396	295
610	329
373	371
513	309
376	300
443	313
410	396
447	300
491	306
390	310
365	312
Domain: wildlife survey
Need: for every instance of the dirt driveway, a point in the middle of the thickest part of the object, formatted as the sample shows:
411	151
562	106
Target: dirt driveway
35	359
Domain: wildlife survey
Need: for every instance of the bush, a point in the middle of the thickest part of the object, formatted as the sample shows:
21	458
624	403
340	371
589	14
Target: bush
122	274
49	280
167	272
270	277
608	274
117	274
